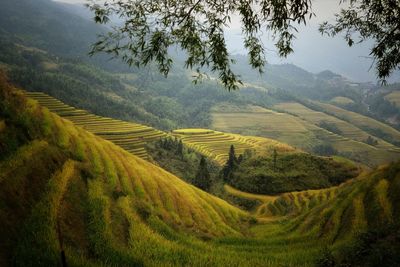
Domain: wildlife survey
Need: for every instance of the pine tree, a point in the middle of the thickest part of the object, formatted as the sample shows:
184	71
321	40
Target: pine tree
180	149
275	155
231	164
203	178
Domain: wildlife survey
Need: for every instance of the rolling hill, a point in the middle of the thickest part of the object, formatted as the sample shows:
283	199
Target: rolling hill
216	145
63	188
130	136
301	127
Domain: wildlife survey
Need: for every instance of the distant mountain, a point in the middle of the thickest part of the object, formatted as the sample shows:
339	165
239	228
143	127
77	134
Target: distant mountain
327	75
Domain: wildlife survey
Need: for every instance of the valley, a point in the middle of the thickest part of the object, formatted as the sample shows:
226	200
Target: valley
113	154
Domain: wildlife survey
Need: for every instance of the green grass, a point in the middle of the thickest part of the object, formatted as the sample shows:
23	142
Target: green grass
143	215
299	126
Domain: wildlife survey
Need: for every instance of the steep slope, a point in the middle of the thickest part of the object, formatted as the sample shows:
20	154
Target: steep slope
62	187
103	201
343	218
130	136
216	144
301	127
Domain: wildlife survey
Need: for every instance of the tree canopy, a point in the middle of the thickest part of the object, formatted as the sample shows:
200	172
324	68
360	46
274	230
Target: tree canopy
150	28
377	20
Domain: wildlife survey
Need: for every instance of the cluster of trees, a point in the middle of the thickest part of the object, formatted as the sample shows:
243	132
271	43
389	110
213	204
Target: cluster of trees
279	173
172	144
329	126
371	141
172	155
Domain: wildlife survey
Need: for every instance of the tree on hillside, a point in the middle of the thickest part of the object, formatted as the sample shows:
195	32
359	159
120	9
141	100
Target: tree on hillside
202	179
150	28
275	155
180	149
230	165
375	20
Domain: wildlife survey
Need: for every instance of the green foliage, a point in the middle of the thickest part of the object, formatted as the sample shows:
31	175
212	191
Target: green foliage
325	150
149	29
231	164
376	247
172	155
371	141
330	127
203	178
376	20
291	172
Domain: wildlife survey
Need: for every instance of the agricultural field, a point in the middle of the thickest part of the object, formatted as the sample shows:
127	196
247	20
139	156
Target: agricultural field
342	127
130	136
335	213
111	208
216	145
394	97
370	125
302	133
341	100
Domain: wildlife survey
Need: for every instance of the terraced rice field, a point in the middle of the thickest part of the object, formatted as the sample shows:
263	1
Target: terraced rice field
341	100
302	133
347	130
359	120
216	144
394	97
334	212
130	136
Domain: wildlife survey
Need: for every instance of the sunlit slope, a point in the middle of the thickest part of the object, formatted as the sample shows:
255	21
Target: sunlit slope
110	206
363	122
341	100
216	144
333	215
130	136
394	97
346	129
301	132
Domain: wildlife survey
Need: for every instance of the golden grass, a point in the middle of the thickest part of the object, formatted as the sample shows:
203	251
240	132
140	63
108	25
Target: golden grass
347	130
216	144
302	131
130	136
144	215
360	120
341	100
394	97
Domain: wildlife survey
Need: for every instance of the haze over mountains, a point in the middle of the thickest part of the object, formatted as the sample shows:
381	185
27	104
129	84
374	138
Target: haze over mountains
106	165
312	51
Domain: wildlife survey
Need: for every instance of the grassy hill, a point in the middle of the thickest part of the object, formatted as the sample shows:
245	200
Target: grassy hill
363	122
335	125
62	187
130	136
302	127
108	205
215	145
394	97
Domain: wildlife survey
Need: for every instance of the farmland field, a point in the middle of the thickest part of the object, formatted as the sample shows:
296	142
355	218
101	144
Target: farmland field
394	97
363	122
216	144
344	128
130	136
301	132
115	209
341	100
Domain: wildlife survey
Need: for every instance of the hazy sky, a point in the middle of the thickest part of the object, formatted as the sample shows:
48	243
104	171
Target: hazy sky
312	51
